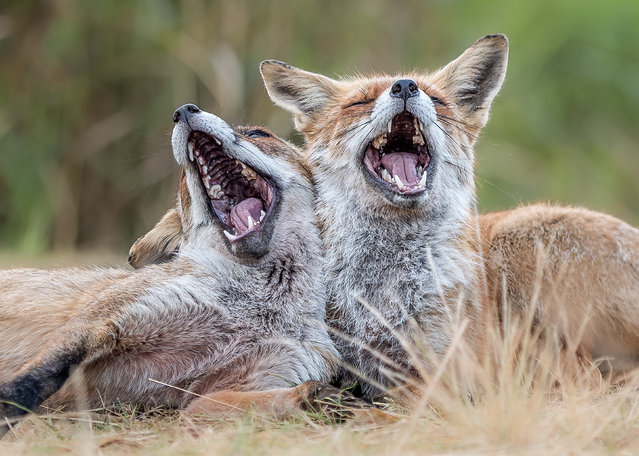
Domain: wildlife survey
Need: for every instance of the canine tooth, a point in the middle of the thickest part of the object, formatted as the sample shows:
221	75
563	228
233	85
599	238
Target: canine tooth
262	214
422	181
191	147
390	125
398	182
229	236
217	141
421	126
251	222
386	176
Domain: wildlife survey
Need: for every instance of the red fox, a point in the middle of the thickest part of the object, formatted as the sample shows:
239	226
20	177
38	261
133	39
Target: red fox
236	317
392	159
408	255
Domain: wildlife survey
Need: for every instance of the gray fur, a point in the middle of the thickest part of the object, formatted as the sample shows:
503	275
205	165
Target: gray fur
395	263
206	321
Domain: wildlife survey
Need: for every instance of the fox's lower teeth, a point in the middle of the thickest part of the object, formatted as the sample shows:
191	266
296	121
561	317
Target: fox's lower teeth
262	214
422	181
230	237
386	176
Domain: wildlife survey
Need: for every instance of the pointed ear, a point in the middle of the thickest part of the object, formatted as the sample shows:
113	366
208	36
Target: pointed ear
475	77
300	92
160	244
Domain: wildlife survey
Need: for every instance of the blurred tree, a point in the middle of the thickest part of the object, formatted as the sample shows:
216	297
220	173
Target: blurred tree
87	90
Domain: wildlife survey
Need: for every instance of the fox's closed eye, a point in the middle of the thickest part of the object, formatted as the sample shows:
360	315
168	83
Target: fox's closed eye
437	100
358	103
257	133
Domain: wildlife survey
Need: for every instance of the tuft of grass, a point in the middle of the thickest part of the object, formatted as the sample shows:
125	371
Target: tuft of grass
534	400
532	394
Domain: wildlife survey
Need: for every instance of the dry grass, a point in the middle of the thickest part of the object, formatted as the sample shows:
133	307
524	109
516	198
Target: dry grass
535	399
516	421
529	403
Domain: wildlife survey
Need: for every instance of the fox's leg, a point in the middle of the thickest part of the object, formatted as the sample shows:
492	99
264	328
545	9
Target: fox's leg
45	375
309	396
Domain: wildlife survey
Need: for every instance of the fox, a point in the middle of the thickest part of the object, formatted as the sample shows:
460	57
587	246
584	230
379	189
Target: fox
232	320
409	256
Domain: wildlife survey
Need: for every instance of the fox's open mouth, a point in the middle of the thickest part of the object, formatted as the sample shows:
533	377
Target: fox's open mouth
240	198
399	158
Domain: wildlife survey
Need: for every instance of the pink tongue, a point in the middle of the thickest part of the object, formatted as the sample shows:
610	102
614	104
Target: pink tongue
241	212
403	165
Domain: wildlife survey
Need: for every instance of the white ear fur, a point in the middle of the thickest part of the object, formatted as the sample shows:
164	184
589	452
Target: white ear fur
475	77
300	92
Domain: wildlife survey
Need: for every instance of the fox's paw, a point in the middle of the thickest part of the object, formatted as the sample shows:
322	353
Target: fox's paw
334	404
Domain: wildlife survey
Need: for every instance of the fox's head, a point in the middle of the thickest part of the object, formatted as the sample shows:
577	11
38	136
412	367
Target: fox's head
236	184
401	143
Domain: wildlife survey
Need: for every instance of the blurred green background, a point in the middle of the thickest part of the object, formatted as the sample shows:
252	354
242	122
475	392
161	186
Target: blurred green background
87	90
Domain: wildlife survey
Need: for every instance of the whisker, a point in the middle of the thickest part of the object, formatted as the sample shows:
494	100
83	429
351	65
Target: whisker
448	135
443	120
452	119
343	133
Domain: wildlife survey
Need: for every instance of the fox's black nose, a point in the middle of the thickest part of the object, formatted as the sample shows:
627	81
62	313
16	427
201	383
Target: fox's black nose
183	112
404	88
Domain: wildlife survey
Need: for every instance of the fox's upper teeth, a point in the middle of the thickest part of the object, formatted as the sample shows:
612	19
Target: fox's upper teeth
205	169
380	141
398	182
421	126
200	160
248	173
191	147
418	139
217	141
216	191
390	125
422	181
207	182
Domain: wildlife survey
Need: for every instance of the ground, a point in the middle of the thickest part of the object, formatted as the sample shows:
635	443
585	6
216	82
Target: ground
529	404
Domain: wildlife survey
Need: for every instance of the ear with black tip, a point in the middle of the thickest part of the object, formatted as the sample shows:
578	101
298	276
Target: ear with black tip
300	92
160	244
474	78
